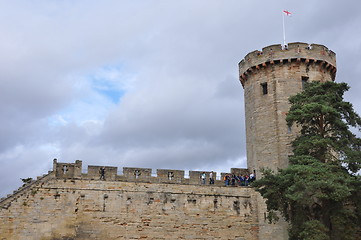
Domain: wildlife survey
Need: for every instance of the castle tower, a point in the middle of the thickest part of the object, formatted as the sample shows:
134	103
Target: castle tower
269	77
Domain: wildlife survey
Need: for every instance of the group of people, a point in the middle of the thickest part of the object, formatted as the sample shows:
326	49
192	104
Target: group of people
241	180
229	179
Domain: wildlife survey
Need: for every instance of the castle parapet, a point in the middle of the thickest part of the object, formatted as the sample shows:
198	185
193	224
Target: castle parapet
297	51
133	174
171	176
137	173
67	170
195	176
100	172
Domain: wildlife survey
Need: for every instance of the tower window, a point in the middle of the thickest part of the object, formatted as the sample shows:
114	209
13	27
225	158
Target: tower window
289	129
304	81
264	88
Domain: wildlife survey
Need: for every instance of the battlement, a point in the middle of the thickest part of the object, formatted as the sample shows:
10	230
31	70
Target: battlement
295	52
109	173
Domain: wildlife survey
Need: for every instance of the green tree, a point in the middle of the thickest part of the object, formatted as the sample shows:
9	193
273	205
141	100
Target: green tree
319	193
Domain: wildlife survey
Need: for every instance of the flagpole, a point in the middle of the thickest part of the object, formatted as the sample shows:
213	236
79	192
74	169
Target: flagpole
284	31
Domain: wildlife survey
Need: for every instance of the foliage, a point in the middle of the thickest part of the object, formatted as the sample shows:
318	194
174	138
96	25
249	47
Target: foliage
319	193
324	119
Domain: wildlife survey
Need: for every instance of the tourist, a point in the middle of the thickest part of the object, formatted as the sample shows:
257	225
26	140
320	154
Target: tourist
102	173
251	178
241	179
226	180
246	180
211	178
203	178
233	179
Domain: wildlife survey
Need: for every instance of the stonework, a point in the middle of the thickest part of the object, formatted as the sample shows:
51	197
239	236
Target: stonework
269	78
67	204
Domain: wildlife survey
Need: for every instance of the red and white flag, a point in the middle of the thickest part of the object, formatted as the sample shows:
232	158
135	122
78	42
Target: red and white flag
287	13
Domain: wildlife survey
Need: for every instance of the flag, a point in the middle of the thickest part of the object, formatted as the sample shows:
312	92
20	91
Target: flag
287	13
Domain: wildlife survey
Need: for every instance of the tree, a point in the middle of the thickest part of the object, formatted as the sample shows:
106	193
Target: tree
319	193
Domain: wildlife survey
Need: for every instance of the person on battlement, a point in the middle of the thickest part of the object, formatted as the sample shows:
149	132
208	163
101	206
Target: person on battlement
203	178
211	177
102	173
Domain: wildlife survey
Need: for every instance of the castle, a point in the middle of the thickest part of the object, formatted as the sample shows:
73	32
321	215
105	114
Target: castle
69	204
269	78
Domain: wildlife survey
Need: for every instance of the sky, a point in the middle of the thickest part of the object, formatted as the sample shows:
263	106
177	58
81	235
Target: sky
154	84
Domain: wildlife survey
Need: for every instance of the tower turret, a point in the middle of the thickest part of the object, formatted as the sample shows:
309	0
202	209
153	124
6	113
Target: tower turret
269	77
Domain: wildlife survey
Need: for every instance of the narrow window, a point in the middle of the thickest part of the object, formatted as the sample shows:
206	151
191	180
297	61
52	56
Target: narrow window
137	174
289	129
65	169
264	88
304	81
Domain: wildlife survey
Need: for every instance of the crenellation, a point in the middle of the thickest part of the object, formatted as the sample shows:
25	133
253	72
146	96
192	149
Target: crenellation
142	174
298	46
252	55
94	172
67	170
171	176
195	177
269	50
137	173
319	47
240	171
275	54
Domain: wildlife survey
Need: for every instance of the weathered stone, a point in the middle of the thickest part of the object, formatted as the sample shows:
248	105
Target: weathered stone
269	78
281	73
74	205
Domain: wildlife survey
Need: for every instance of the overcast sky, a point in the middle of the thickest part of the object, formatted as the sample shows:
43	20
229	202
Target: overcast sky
136	83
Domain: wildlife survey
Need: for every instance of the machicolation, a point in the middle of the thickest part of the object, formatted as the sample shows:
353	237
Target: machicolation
295	52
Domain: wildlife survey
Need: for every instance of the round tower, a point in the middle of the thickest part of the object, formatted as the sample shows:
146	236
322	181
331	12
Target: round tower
269	77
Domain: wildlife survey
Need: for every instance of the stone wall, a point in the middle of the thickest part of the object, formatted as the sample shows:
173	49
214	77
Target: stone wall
73	170
60	206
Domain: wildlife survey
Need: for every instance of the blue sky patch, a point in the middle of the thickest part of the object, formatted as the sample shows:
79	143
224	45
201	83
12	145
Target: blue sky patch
112	94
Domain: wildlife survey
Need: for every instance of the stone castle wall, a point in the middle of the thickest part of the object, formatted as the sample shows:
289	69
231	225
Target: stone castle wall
74	170
67	204
269	78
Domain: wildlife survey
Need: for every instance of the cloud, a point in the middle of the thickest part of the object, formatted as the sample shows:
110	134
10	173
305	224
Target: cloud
139	83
